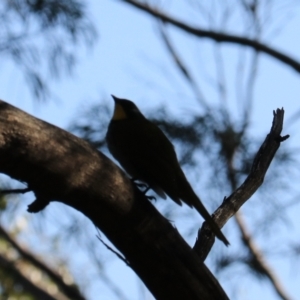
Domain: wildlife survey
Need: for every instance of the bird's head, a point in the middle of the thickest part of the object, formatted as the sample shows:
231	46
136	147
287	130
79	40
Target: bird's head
125	109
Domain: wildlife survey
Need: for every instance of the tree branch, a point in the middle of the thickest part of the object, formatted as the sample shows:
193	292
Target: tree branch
180	65
69	290
217	36
14	191
259	259
26	283
254	180
57	165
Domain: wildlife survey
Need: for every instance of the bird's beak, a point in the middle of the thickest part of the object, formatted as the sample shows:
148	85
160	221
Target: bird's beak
119	112
115	98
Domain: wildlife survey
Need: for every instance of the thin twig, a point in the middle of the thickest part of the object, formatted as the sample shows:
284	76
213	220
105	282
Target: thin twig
15	191
183	69
113	251
94	254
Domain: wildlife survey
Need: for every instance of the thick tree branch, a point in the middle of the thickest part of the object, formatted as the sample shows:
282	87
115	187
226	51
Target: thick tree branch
59	166
217	36
254	180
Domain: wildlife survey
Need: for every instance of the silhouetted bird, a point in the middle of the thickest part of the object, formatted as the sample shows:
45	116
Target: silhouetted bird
146	154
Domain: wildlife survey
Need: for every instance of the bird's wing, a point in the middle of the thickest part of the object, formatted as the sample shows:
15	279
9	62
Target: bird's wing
147	154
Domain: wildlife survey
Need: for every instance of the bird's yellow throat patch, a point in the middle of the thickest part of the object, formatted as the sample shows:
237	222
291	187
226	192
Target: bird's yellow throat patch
119	113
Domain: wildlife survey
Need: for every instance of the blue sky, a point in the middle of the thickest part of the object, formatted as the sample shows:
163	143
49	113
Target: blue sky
129	61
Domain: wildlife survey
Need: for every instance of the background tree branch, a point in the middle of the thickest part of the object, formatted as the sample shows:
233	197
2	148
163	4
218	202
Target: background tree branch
259	260
69	290
217	36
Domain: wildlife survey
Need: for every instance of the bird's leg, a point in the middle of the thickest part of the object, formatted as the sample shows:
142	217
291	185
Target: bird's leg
151	198
140	185
145	192
143	185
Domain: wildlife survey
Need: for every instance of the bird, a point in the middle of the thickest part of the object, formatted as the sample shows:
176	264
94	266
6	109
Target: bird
147	155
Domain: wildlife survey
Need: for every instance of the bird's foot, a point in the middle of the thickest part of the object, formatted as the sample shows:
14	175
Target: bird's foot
141	185
151	198
146	188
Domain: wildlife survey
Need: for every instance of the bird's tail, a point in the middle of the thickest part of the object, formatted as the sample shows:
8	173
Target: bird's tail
207	217
189	197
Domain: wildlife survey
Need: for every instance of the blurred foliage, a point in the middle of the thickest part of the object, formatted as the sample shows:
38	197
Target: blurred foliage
24	276
41	35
